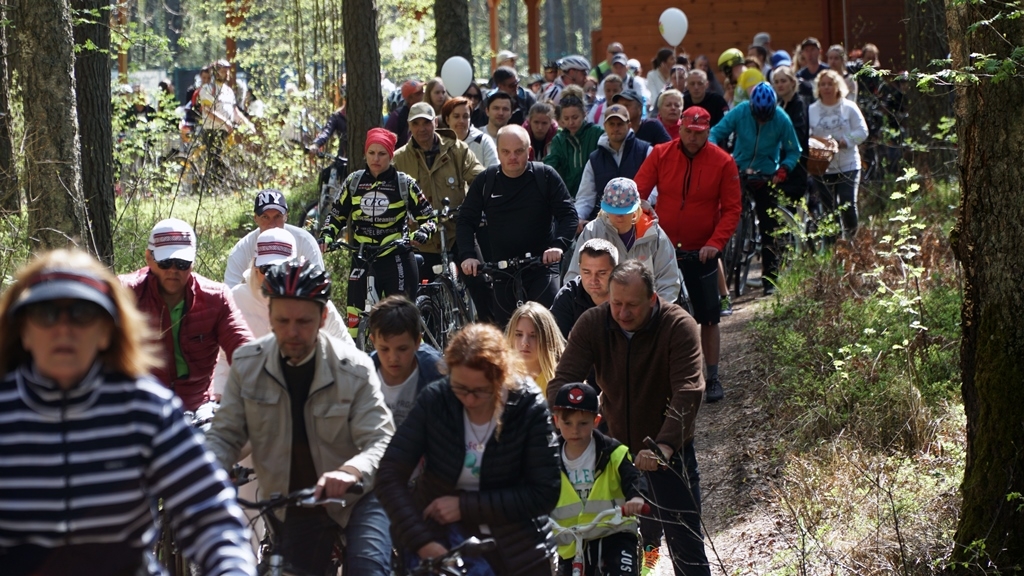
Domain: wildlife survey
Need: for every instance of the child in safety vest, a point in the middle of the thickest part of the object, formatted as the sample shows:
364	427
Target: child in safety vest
597	475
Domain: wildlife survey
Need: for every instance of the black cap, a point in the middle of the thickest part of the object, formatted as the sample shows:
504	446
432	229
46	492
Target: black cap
270	198
577	396
627	94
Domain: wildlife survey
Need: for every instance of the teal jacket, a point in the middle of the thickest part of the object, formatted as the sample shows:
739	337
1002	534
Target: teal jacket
757	147
568	154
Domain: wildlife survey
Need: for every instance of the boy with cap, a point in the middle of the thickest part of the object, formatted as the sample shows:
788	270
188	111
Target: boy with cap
270	211
597	475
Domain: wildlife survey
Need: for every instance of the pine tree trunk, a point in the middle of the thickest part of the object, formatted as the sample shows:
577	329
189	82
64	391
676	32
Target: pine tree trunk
451	31
927	40
362	61
555	26
987	242
10	195
92	95
53	179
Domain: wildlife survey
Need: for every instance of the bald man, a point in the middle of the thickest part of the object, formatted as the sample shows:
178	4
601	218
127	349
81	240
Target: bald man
529	211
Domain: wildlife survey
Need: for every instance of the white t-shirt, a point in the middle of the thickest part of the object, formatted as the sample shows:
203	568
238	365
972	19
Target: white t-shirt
477	436
401	398
581	470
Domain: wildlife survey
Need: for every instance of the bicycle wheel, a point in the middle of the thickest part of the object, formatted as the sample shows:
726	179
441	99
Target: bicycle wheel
433	321
748	247
363	334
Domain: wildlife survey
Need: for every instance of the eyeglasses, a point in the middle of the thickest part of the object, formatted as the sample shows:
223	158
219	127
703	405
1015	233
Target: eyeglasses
79	313
478	393
176	262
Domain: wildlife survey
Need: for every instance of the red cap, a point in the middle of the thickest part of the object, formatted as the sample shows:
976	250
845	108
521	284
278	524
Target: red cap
385	138
696	118
410	87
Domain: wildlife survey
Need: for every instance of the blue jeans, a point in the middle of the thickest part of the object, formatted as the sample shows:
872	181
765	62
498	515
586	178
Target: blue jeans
678	508
309	536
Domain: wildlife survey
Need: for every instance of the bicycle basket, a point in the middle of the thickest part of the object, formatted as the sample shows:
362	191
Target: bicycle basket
819	154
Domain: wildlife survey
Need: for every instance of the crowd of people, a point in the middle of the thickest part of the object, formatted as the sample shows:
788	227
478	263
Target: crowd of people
627	201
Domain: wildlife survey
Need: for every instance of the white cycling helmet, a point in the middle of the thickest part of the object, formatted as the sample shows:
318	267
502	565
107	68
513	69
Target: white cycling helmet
574	62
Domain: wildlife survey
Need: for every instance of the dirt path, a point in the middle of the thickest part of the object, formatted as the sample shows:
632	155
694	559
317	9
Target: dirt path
734	456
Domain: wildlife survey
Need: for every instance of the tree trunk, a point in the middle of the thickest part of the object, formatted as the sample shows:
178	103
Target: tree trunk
451	32
555	26
174	23
52	162
92	99
513	27
987	242
927	40
10	195
362	61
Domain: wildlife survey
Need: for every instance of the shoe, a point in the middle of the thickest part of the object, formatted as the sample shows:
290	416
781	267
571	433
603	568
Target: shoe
714	391
769	288
726	304
650	560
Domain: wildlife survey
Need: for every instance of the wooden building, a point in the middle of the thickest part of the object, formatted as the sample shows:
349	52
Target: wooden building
716	25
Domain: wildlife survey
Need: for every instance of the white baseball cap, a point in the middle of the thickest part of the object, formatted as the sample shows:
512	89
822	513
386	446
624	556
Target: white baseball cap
274	246
172	238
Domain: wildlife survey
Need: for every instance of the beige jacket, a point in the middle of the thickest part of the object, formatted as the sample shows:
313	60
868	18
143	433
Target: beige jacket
449	176
345	415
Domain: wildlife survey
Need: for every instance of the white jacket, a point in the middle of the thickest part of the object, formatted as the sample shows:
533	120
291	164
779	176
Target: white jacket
652	247
244	252
844	123
255	308
482	146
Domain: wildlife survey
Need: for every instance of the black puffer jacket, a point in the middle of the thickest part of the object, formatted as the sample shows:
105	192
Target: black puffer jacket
519	479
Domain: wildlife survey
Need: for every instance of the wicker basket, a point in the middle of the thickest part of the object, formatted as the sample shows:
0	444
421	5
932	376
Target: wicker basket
819	154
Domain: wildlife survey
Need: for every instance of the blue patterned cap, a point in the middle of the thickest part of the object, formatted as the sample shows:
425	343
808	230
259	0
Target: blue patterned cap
620	197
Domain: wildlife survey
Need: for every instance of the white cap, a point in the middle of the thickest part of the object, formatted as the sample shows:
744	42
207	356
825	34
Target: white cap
506	55
172	238
274	246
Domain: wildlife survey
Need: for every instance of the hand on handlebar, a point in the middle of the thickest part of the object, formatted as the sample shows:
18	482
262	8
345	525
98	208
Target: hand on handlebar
780	175
335	484
552	256
431	550
708	253
634	506
470	266
420	237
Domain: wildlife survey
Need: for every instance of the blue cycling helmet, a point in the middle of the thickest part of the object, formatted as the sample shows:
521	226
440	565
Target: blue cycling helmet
763	101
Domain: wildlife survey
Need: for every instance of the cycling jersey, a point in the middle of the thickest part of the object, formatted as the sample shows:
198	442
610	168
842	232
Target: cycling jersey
376	209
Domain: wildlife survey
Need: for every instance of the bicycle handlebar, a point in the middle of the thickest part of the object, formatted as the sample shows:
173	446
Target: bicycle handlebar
373	251
470	547
514	263
300	498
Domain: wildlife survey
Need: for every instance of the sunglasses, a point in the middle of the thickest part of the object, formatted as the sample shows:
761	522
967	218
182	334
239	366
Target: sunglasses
176	262
79	313
474	96
265	268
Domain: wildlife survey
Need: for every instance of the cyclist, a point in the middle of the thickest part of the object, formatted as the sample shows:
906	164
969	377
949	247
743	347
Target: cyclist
312	410
597	475
624	342
376	203
528	211
405	364
191	315
220	115
572	72
337	123
619	154
731	63
763	132
485	410
91	441
635	235
697	213
575	140
596	259
270	212
533	332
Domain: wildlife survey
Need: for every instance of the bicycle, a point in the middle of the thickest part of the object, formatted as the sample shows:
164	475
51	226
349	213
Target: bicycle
329	181
444	303
271	560
604	523
518	267
745	241
451	564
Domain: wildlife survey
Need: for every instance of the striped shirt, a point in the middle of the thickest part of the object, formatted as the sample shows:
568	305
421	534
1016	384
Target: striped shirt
81	472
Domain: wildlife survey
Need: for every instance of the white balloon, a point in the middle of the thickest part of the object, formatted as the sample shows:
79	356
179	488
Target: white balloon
673	26
457	75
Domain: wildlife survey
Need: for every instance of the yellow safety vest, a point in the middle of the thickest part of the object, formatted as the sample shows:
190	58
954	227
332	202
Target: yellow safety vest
604	495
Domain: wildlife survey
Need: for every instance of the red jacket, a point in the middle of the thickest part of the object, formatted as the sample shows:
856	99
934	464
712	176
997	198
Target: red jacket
698	199
210	322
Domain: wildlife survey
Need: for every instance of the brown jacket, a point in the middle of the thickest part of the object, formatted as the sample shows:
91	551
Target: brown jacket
651	385
448	177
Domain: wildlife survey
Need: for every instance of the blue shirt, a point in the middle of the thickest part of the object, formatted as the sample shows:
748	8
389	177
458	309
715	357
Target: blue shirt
758	147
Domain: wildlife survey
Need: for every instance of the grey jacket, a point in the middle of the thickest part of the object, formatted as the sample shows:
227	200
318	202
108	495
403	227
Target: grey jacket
345	415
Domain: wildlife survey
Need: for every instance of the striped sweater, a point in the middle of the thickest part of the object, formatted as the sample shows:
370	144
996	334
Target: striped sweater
81	472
